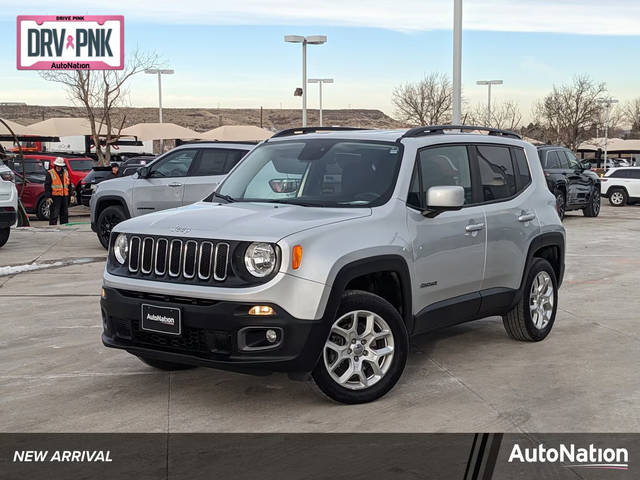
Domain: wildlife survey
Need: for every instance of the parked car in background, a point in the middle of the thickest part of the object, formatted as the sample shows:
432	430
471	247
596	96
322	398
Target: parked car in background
621	185
77	166
33	168
8	203
33	197
100	174
572	182
182	176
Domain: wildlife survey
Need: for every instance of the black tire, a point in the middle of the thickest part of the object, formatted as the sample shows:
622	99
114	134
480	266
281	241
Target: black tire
352	301
561	203
42	210
108	218
4	235
166	366
618	197
593	208
518	322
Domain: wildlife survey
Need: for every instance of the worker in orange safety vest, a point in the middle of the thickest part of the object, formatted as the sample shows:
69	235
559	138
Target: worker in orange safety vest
59	192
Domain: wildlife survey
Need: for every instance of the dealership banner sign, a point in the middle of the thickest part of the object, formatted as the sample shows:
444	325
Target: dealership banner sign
81	42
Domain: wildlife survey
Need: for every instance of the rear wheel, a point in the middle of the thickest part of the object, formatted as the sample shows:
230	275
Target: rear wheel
561	203
164	365
108	218
618	197
42	209
365	352
4	235
593	208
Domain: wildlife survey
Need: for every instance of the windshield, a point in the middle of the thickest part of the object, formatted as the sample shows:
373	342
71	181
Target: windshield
30	167
317	172
82	164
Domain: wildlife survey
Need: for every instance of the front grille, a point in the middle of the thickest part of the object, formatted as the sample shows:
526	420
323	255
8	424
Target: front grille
163	258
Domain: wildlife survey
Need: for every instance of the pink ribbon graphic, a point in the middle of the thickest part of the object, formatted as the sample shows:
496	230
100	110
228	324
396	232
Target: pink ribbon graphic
69	42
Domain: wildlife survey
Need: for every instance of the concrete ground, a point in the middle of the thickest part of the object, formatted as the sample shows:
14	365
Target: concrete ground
55	375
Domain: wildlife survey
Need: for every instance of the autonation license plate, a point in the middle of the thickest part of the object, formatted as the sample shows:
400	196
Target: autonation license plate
161	319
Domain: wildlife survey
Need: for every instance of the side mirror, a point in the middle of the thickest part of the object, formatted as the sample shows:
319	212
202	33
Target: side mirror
586	165
443	198
143	172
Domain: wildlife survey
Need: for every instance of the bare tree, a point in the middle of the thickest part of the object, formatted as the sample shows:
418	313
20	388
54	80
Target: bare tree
426	102
102	93
505	115
631	112
570	111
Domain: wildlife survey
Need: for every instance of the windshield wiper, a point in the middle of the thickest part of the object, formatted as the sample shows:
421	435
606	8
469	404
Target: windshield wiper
292	201
228	198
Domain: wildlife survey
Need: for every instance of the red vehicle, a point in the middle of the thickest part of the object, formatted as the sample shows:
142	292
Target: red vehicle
78	167
33	197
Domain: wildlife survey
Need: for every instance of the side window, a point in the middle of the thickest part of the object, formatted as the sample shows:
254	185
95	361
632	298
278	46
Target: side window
553	161
445	166
175	164
497	176
413	198
217	161
573	161
524	175
564	161
634	173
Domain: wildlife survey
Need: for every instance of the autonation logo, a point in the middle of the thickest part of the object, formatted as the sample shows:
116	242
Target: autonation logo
571	456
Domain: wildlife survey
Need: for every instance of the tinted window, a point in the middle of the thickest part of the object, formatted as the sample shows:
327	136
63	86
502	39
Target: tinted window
564	161
175	164
633	173
217	162
553	161
524	176
83	165
445	166
497	176
572	160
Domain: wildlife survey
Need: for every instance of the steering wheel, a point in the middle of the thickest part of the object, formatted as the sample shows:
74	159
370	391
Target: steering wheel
368	196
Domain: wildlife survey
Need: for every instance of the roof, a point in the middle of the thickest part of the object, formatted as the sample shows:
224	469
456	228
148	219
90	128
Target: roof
61	127
237	133
613	145
160	131
15	127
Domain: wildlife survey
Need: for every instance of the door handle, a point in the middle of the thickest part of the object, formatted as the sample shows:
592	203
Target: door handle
526	217
474	227
175	184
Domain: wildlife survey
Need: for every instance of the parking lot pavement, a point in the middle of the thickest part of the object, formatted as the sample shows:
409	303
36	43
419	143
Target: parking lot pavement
55	375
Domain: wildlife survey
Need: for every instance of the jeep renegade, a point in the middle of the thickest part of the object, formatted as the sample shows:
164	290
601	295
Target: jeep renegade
325	249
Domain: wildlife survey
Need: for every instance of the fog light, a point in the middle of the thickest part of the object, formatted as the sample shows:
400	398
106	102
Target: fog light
271	336
261	310
103	293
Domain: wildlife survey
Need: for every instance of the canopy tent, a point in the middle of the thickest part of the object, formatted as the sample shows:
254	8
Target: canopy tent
24	133
160	131
62	127
614	145
237	133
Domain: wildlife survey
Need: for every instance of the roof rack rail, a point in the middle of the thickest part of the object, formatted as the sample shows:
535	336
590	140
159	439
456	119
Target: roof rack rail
439	129
302	130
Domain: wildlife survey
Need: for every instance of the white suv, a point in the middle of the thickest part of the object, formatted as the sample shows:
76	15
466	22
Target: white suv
621	185
8	203
324	252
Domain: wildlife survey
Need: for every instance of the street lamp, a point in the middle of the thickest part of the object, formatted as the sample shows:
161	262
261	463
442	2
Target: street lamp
159	72
489	83
310	40
457	61
606	103
320	81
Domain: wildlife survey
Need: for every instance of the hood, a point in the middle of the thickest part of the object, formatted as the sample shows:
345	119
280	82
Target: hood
240	221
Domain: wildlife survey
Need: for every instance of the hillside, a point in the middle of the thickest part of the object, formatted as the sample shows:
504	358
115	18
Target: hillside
202	119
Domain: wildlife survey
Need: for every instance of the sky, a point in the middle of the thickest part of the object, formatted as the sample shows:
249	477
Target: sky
232	54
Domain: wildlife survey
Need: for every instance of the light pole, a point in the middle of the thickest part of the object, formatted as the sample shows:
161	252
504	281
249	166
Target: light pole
310	40
607	103
457	61
489	83
320	81
159	72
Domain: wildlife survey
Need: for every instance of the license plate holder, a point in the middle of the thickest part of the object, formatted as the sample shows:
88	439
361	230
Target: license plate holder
166	320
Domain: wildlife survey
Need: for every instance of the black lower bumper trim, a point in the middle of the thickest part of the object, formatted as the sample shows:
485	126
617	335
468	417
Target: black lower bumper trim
209	335
7	219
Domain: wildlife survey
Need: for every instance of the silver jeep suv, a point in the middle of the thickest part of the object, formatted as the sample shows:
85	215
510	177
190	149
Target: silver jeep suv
324	250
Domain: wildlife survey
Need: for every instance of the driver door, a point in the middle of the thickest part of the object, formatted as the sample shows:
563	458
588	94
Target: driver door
164	188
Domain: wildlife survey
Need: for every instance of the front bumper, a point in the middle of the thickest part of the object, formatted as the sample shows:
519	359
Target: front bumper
7	217
211	334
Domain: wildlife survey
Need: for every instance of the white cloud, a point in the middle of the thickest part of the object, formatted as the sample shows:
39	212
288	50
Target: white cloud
614	17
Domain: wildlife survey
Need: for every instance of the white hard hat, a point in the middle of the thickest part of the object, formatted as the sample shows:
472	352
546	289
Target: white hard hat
59	162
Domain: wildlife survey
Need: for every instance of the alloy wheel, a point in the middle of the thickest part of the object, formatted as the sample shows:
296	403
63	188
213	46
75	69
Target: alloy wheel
617	198
359	350
107	224
596	202
541	300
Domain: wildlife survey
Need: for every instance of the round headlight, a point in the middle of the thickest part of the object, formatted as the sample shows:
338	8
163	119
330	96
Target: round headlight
121	248
260	259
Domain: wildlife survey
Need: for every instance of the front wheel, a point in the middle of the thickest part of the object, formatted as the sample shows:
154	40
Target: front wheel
533	316
109	218
365	352
618	197
43	210
4	235
593	208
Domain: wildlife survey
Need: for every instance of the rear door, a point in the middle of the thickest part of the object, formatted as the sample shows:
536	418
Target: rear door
209	169
164	188
633	182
